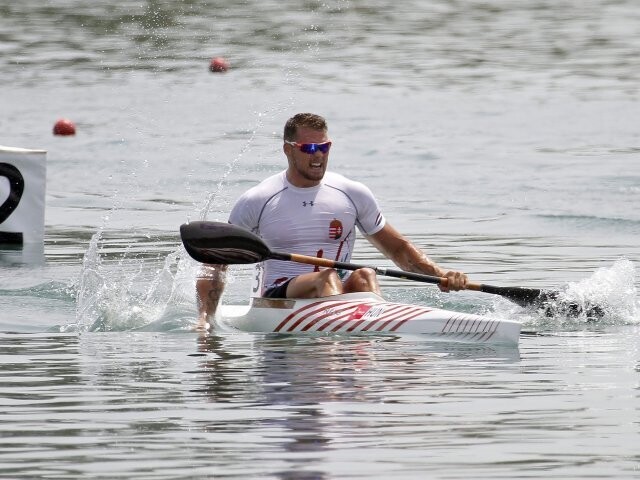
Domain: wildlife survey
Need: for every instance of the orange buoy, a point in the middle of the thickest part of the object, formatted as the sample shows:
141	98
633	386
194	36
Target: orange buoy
218	64
64	127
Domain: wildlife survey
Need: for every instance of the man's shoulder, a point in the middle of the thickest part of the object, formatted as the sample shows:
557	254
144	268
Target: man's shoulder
340	182
247	208
335	179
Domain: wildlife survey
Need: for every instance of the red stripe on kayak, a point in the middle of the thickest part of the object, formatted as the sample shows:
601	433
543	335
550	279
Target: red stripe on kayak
395	311
291	315
413	312
351	318
327	324
346	311
405	320
388	311
327	307
333	310
355	325
398	311
322	327
294	314
383	315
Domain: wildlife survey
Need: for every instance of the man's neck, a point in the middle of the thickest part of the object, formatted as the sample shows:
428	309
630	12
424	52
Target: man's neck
300	182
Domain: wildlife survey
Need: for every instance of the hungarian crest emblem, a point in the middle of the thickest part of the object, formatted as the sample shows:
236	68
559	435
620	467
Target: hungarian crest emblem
335	229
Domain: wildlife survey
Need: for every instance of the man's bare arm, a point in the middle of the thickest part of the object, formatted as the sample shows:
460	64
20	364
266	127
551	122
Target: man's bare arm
410	258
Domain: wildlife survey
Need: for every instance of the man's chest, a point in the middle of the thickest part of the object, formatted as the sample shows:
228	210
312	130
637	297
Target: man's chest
299	217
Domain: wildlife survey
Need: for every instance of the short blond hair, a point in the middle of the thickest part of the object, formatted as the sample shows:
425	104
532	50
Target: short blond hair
308	120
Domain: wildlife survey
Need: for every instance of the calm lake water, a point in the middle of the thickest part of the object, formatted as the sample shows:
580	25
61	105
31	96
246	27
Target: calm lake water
501	136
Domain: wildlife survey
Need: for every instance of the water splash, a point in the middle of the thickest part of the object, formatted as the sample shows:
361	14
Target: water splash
613	288
129	295
608	297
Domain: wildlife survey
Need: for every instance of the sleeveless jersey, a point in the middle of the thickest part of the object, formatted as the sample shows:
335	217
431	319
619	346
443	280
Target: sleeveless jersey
318	221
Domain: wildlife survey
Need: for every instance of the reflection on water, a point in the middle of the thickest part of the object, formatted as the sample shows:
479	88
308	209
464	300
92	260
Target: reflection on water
303	380
29	254
290	369
286	407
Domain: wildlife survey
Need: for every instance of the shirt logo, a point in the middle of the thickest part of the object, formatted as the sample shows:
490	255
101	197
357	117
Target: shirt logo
335	229
305	203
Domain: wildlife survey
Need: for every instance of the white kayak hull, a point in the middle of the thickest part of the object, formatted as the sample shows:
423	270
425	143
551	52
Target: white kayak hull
365	313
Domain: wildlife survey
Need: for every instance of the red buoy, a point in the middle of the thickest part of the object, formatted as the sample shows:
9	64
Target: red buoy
64	127
218	64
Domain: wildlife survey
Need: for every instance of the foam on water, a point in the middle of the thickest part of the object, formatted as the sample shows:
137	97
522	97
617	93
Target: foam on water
613	288
607	297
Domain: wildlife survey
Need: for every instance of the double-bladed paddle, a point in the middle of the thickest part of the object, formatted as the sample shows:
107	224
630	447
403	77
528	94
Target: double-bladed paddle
223	243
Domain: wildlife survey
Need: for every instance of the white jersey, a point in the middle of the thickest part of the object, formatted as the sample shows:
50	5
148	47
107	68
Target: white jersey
318	221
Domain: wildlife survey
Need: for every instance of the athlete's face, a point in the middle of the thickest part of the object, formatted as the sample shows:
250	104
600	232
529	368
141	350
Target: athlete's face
306	169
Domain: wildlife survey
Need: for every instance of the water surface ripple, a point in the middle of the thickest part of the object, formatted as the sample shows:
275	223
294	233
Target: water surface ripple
501	136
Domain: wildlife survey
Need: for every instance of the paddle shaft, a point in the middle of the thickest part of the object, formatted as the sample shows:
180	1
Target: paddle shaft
386	272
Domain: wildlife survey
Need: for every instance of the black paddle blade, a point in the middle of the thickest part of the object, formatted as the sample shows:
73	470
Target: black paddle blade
222	243
525	297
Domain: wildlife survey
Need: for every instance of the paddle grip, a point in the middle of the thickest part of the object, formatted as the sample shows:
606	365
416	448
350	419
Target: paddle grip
321	262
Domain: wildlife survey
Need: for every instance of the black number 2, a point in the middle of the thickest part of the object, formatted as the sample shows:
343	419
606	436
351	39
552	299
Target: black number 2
16	188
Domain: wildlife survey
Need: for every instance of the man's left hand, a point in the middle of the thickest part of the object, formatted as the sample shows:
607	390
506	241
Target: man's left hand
455	281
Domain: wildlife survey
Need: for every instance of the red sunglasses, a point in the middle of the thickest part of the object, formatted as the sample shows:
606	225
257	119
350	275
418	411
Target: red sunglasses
311	147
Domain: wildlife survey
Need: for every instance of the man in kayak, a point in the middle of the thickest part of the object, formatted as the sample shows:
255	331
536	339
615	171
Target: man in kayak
310	211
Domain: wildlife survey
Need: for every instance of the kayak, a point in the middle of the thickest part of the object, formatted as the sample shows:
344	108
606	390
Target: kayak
364	314
223	243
